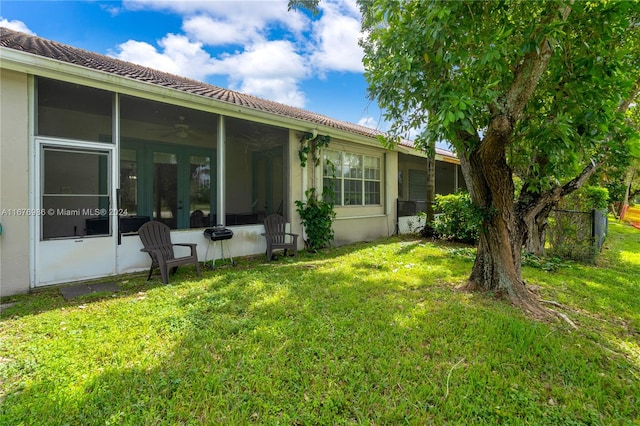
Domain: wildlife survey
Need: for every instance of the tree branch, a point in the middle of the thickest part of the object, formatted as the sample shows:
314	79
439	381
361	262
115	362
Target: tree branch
529	72
533	207
507	109
635	91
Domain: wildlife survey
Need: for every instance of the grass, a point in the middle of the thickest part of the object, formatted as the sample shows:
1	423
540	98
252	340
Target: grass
371	333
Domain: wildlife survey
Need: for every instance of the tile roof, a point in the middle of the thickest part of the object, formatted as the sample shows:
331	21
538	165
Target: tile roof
84	58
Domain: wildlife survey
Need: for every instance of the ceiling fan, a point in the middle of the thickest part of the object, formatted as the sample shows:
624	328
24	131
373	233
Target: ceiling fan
180	129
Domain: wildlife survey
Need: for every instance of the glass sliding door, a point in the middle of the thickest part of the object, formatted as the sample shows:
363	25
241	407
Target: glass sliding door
167	163
129	181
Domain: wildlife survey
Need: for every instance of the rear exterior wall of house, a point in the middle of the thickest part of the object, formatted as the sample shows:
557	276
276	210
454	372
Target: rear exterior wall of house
14	183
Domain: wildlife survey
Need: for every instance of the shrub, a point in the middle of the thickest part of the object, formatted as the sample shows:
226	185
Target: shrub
586	199
596	197
459	219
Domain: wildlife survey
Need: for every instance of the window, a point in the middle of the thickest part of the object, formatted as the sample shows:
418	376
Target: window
417	185
353	178
445	177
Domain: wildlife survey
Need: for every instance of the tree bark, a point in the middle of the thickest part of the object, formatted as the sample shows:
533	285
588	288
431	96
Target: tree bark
489	178
533	209
536	231
497	267
431	187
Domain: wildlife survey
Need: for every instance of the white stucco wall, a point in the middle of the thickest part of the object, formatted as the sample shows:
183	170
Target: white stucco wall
355	224
14	183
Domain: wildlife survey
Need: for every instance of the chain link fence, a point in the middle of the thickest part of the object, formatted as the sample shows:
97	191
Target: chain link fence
571	234
577	235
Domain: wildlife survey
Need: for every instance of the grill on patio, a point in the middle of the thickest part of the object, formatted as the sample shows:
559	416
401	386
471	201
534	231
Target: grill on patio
218	233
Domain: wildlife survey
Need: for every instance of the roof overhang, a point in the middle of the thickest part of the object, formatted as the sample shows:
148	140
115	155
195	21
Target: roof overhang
37	65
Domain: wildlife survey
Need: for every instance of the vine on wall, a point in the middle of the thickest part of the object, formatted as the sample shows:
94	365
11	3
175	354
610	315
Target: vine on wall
311	145
316	213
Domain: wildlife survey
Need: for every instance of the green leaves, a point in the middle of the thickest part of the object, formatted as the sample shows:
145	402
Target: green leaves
457	58
317	217
459	219
311	146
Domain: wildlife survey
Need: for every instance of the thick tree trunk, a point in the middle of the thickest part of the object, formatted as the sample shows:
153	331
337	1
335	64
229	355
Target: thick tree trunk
534	214
533	209
497	267
489	178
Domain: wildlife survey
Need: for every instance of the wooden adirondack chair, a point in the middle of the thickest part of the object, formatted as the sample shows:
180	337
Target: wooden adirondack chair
277	237
156	238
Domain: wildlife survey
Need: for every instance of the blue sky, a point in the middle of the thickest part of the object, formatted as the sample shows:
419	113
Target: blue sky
256	47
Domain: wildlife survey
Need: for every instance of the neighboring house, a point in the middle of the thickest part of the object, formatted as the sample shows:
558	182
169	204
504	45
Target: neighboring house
91	147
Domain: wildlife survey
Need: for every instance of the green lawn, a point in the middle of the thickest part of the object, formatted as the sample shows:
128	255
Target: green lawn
367	334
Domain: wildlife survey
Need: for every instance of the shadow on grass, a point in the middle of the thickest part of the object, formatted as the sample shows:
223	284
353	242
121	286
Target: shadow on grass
46	299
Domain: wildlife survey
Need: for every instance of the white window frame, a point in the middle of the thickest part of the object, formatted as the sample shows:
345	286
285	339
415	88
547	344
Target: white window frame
362	178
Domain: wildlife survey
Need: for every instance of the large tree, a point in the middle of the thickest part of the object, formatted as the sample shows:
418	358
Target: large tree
536	89
505	80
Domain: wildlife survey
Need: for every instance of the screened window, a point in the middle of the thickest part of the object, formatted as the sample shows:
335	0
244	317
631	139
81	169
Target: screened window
72	111
167	164
352	179
256	172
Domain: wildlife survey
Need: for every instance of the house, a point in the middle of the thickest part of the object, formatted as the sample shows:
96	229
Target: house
91	147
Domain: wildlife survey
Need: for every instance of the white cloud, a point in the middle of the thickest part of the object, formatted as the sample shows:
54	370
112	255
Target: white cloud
266	59
336	35
178	56
217	32
271	69
15	25
369	122
111	9
283	90
230	21
275	49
